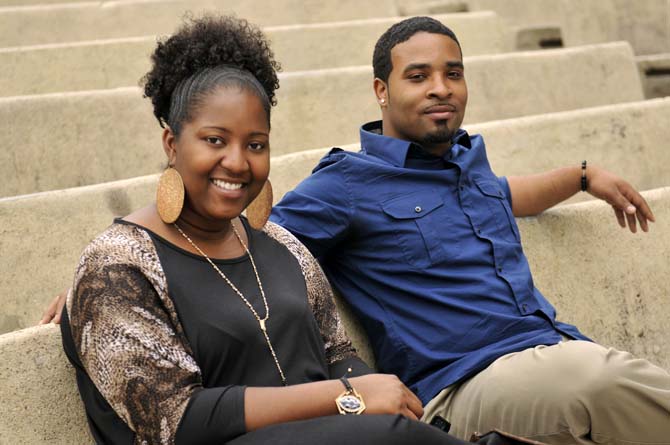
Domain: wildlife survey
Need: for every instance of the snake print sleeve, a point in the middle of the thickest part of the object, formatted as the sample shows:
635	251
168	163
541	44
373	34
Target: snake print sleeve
127	334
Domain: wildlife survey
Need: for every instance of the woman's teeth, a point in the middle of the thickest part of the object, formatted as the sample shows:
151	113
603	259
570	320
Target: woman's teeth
227	185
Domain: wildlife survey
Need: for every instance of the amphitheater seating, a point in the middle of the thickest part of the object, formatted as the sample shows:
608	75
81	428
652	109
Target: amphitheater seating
643	24
63	140
40	400
72	118
58	23
627	138
121	62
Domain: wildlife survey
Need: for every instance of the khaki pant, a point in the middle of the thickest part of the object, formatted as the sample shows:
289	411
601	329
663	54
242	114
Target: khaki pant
575	392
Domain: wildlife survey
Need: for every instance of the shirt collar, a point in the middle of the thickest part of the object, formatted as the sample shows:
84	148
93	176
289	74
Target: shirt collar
395	151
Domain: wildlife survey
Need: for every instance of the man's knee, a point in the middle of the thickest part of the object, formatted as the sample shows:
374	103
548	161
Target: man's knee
559	375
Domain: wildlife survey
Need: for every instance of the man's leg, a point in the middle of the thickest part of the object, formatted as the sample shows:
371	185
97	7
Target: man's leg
575	392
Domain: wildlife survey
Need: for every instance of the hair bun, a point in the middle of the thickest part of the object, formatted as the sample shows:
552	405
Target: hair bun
207	42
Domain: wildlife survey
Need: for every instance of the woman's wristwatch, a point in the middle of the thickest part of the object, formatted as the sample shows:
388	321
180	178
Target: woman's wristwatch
350	401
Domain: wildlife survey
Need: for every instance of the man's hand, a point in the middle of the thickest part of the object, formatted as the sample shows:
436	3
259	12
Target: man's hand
627	203
54	310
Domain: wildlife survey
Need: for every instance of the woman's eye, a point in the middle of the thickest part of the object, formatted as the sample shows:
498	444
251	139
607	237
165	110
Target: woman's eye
214	140
256	146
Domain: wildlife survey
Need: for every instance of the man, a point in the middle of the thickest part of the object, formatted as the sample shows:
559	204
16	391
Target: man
419	236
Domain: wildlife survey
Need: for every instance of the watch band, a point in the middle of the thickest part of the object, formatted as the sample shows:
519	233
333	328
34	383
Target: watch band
350	401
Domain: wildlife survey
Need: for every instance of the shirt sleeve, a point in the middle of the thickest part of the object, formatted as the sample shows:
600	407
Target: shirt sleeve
139	362
319	210
502	180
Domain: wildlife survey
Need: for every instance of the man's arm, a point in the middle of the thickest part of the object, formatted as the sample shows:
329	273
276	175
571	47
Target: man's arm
533	194
319	210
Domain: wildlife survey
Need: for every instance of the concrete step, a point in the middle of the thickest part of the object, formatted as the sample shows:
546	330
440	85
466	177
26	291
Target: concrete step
609	282
655	74
34	368
59	23
619	301
70	139
47	231
122	62
643	23
6	3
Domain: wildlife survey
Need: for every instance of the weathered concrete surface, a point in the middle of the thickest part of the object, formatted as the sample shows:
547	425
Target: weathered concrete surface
75	66
610	283
655	74
40	402
5	3
628	139
44	24
618	301
59	141
42	236
644	23
91	137
122	62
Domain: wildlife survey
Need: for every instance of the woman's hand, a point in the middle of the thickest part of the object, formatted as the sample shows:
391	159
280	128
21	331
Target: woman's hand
386	394
55	308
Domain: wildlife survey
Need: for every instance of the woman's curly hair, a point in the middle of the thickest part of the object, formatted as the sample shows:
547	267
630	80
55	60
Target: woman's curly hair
208	42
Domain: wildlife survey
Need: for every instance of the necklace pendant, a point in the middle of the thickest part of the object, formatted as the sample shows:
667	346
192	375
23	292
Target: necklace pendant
262	323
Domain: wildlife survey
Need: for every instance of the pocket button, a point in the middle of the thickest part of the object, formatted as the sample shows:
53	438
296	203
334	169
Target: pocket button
418	209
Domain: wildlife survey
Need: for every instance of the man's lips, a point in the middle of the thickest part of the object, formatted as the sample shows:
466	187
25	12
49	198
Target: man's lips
440	112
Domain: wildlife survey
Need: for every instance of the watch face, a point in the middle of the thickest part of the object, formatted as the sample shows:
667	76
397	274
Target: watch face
350	403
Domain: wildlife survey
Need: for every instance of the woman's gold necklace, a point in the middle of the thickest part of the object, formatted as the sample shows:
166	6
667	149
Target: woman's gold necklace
261	321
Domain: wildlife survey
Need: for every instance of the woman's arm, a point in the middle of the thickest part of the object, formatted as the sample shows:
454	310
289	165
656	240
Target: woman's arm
382	393
128	337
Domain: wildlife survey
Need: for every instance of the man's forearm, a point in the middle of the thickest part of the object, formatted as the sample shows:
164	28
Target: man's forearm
533	194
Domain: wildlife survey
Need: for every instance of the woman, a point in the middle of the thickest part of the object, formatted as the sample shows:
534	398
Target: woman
185	325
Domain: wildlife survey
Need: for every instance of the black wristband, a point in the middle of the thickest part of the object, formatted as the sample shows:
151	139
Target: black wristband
347	385
584	183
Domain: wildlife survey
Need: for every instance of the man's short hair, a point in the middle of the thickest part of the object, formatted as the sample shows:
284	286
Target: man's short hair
401	32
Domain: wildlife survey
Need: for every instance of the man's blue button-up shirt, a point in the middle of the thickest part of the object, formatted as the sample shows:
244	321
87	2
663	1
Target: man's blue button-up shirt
427	252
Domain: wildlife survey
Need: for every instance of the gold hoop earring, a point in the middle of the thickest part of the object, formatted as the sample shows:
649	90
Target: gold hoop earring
258	210
170	195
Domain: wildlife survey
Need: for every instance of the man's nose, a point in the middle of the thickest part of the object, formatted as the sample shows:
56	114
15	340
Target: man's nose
440	88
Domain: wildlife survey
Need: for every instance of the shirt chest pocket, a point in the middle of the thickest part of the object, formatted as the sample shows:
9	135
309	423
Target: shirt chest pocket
495	219
416	220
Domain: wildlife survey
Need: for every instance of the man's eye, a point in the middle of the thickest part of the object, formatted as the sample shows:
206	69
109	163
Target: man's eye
455	75
417	77
256	146
214	140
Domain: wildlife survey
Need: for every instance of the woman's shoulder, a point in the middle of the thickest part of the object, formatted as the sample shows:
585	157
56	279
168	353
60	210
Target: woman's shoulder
120	243
287	240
